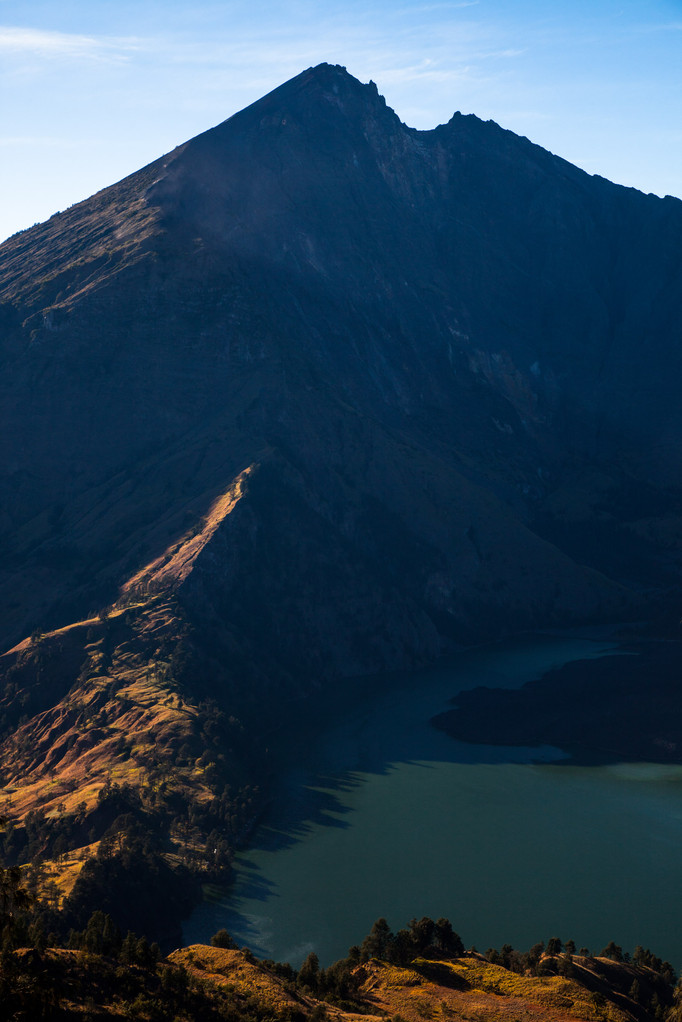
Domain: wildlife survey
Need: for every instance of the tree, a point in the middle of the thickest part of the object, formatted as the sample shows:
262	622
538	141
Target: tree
146	955
566	967
612	951
14	898
668	973
309	973
640	956
401	948
376	942
223	939
128	952
554	946
534	954
449	942
102	936
506	955
339	980
675	1013
422	932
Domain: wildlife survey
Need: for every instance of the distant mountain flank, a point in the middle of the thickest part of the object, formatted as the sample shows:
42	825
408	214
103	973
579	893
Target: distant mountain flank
316	395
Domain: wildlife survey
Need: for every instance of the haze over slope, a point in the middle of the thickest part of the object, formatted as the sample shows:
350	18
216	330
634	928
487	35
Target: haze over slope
317	393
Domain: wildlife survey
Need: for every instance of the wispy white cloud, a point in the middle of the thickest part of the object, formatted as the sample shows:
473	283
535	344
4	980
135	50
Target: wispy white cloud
22	140
423	71
37	43
333	38
445	57
49	141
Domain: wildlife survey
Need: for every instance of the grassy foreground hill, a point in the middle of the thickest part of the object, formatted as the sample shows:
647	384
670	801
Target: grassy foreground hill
128	790
203	984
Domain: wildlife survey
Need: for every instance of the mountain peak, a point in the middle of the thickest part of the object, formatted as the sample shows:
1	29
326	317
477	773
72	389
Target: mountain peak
331	83
324	75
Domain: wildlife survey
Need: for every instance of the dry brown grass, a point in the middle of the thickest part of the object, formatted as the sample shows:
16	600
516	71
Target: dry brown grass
175	564
118	724
120	719
488	993
236	971
58	878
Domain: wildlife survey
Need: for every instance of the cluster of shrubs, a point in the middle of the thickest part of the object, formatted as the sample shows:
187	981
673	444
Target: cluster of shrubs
650	981
339	983
421	936
534	960
102	936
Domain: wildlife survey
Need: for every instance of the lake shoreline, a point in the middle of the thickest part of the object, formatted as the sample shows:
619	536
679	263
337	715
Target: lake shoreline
625	707
381	814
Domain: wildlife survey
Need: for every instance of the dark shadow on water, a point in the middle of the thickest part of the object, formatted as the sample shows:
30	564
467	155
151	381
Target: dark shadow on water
245	931
375	733
299	807
221	911
252	883
325	754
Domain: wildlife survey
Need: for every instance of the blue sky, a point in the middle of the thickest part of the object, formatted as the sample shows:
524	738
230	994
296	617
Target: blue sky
91	90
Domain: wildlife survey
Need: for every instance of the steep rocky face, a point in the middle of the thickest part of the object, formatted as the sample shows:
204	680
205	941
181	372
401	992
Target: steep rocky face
449	357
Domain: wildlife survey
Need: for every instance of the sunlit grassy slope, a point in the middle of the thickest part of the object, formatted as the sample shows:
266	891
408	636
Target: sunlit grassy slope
208	983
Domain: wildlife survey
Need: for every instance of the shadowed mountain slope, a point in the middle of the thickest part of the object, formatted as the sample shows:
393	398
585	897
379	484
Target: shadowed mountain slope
373	304
316	394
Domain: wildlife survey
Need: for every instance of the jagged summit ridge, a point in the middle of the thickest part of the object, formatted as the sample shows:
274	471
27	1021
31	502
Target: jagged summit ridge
330	82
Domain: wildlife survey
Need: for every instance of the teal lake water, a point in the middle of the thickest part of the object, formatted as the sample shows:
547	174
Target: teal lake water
381	814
